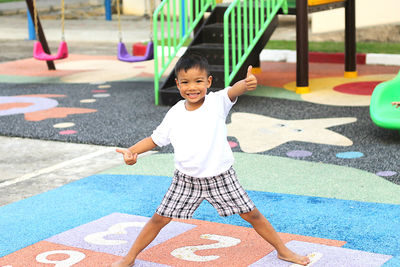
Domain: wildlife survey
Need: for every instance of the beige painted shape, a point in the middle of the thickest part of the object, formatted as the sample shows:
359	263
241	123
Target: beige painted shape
258	133
92	64
103	70
64	125
322	90
88	100
94	71
92	76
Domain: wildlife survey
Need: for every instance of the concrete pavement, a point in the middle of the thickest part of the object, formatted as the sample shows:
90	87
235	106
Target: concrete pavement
29	167
19	7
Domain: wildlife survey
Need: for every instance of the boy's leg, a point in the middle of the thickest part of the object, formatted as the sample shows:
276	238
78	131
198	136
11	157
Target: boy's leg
268	233
148	233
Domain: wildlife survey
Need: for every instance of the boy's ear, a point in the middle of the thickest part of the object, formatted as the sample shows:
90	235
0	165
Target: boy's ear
209	79
177	83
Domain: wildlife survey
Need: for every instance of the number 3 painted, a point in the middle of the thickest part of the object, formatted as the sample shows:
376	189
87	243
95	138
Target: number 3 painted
74	257
116	229
187	253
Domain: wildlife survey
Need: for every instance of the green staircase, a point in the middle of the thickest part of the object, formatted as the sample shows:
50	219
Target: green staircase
231	38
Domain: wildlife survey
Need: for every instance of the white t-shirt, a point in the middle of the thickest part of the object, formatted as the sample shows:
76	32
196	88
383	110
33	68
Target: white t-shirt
201	148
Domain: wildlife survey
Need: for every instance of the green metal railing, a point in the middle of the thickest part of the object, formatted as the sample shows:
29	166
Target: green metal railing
245	33
173	24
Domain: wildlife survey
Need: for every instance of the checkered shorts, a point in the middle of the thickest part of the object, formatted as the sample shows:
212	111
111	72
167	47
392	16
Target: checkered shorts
186	193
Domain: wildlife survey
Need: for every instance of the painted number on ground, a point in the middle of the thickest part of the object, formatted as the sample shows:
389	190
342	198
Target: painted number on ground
188	252
74	257
116	229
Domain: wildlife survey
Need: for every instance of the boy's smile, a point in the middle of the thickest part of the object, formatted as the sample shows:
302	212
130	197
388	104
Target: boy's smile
193	85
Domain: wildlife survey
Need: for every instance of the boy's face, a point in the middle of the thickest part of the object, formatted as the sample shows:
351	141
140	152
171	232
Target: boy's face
193	85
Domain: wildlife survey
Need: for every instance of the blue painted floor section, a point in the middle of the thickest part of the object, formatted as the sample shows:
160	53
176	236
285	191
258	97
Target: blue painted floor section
369	227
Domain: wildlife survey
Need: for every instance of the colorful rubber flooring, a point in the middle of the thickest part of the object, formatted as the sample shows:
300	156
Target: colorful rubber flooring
315	165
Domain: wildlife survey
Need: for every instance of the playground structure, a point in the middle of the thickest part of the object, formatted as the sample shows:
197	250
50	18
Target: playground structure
382	112
233	36
301	9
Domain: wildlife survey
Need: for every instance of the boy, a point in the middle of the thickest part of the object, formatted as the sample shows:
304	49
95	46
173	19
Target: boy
203	158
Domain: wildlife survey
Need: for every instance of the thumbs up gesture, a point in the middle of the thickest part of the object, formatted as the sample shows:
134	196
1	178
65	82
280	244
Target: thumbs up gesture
251	80
129	157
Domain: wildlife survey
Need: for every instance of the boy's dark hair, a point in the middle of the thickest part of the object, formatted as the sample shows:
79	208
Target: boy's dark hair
192	60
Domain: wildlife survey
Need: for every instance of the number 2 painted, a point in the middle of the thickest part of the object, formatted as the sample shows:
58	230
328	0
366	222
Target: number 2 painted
187	253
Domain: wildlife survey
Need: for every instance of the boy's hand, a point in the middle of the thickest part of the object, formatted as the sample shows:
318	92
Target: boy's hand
251	80
396	104
129	157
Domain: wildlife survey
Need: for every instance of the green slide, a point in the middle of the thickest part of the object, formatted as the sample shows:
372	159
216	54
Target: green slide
381	110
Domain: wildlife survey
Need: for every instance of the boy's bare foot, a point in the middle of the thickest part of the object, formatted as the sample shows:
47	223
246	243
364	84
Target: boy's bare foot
293	257
123	263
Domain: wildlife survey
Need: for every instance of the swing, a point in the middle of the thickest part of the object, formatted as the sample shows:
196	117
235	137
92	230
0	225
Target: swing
38	52
123	54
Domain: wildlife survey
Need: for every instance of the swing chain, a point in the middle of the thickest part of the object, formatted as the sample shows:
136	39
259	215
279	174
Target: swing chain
62	20
35	20
119	22
150	13
35	15
149	10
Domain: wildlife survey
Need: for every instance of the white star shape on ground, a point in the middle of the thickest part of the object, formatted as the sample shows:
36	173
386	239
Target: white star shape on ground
258	133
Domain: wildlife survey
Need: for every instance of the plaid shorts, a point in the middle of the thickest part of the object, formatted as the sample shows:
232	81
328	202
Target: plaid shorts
186	193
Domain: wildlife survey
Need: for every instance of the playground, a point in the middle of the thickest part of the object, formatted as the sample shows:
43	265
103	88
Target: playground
322	166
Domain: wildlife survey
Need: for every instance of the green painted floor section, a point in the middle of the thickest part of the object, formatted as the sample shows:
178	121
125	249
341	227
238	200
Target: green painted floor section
275	92
288	176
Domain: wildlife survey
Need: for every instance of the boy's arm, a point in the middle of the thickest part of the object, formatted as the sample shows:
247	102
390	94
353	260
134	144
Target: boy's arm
242	86
131	154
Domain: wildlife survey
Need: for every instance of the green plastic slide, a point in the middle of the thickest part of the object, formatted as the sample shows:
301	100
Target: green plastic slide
382	112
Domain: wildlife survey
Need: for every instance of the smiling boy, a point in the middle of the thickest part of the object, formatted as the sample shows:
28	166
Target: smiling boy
196	128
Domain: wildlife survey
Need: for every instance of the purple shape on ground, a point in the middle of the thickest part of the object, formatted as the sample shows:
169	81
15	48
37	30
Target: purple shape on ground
115	233
142	263
38	103
386	173
331	256
299	153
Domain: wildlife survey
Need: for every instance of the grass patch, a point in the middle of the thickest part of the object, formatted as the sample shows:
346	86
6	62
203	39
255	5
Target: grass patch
335	47
329	47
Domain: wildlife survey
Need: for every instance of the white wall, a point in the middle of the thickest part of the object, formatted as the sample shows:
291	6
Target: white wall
368	13
138	7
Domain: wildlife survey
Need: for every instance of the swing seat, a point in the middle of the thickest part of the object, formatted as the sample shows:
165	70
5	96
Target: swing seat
123	54
39	53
